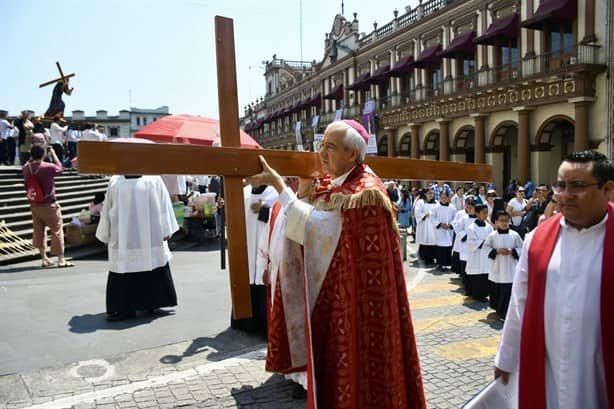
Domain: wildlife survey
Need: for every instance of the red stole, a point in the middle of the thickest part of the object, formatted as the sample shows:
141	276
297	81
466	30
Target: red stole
532	381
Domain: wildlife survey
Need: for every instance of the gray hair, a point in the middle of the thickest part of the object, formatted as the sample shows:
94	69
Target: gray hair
351	140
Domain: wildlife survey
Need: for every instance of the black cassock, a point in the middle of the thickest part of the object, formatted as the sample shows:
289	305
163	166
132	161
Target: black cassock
56	105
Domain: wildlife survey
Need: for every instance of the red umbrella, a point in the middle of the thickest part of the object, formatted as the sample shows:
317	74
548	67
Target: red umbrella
189	129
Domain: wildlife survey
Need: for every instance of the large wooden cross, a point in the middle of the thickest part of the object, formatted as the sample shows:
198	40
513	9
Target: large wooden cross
235	164
63	78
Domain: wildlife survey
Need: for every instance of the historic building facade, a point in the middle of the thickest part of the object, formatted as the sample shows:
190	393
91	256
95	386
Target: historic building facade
514	83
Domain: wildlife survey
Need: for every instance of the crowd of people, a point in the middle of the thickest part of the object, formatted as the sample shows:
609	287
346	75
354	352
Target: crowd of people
18	135
473	231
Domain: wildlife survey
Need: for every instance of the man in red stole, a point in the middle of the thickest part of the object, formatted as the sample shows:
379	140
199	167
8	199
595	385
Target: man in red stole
360	345
559	330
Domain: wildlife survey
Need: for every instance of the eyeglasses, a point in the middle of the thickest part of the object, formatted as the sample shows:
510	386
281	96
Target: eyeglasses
573	187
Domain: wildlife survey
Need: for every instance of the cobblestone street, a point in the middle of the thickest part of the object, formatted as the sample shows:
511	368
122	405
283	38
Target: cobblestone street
456	339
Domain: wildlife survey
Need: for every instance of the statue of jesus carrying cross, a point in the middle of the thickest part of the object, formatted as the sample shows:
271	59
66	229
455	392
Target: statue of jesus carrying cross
56	105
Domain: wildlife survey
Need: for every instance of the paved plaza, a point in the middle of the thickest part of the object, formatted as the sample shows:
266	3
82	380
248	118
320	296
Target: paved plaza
457	340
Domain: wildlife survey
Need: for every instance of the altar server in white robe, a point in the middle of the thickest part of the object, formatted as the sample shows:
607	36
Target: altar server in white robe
136	221
426	236
258	202
504	247
461	226
444	216
478	265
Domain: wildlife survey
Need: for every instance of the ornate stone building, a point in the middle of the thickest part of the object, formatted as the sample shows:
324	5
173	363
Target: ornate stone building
514	83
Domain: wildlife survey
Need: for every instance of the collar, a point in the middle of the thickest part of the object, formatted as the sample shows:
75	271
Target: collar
473	216
338	181
480	223
598	226
501	231
444	204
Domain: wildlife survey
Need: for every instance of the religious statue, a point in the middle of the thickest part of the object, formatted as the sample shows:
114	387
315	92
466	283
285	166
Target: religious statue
56	106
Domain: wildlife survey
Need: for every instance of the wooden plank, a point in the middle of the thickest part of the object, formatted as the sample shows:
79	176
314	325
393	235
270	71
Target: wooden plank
44	84
155	159
233	185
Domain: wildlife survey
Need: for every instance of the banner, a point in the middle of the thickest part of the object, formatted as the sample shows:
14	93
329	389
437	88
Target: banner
372	145
338	115
368	117
299	136
315	122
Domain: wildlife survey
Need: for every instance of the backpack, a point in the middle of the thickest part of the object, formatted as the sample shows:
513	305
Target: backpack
34	191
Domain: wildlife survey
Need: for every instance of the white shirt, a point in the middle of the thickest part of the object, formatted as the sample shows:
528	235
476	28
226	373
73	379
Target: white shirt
444	215
256	231
57	133
73	135
338	181
89	135
136	216
175	184
575	374
426	233
477	254
502	268
4	128
517	205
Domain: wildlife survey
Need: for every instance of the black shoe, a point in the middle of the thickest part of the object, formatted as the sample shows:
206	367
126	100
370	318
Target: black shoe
299	393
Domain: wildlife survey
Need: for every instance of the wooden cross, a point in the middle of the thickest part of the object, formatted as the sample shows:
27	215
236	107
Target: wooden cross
63	78
235	164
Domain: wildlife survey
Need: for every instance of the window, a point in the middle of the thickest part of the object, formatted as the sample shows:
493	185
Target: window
144	120
138	121
561	39
468	68
509	56
434	78
113	131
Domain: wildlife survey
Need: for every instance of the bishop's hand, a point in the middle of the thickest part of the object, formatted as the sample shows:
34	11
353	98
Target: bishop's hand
268	176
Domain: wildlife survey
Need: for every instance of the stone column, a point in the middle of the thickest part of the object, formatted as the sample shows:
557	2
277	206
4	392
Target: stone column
391	144
326	91
444	139
524	144
581	136
479	138
415	147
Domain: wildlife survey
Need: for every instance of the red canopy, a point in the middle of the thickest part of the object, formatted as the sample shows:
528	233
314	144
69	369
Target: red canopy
189	129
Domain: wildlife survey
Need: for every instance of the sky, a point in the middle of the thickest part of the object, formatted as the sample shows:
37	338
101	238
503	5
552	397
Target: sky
149	53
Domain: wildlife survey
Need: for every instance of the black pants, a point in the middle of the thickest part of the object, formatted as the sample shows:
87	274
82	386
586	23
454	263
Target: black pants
3	151
72	152
11	146
59	151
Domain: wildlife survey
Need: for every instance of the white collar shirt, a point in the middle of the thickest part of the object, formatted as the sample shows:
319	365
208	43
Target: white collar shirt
575	373
338	181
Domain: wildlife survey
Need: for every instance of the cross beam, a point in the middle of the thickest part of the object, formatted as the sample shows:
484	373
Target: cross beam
62	76
155	159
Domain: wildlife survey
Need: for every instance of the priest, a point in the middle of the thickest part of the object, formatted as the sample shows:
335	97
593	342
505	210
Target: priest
360	344
136	221
559	331
258	203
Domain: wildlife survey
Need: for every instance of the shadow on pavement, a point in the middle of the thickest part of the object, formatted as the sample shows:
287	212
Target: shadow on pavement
276	392
224	345
86	323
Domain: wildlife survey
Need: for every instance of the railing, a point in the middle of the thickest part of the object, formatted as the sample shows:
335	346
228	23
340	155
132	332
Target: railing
408	18
301	65
384	30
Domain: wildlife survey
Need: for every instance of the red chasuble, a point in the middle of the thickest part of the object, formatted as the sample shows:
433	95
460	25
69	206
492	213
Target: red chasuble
362	340
532	380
